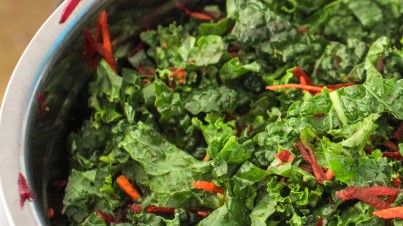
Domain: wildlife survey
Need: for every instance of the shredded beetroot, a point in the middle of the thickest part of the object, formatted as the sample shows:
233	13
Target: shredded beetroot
144	71
137	49
302	29
338	86
204	213
41	104
392	155
397	181
399	132
136	208
369	195
24	190
109	58
319	222
106	217
51	213
298	72
285	156
311	159
160	210
71	5
197	15
391	145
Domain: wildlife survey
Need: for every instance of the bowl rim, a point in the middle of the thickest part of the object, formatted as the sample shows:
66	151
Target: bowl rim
14	113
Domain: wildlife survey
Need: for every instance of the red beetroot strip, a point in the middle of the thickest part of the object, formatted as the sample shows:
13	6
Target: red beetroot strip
369	195
71	5
285	156
311	159
109	58
24	190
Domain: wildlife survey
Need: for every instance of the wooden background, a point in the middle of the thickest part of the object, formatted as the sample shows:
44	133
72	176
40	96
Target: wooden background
19	21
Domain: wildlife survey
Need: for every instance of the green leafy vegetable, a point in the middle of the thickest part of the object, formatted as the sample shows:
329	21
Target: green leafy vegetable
189	108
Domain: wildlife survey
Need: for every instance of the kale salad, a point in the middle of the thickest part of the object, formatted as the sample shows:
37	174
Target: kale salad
248	112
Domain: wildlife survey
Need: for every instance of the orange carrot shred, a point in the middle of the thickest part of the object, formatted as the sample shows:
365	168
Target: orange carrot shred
390	213
297	86
391	145
103	23
126	186
302	81
329	174
108	56
206	158
207	186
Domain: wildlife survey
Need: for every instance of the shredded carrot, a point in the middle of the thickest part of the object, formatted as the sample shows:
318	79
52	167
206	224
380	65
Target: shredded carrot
391	145
108	56
329	174
302	81
201	16
207	186
126	186
390	213
206	158
179	73
103	24
71	5
296	86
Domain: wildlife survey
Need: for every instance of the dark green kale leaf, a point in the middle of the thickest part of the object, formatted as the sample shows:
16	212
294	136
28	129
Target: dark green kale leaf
170	169
208	50
212	99
233	69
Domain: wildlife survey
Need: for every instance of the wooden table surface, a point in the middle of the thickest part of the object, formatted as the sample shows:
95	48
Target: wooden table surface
19	21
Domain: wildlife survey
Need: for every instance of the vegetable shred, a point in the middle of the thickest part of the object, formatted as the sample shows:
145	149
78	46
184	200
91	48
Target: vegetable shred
261	112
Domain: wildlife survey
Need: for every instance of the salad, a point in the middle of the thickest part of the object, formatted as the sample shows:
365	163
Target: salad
258	112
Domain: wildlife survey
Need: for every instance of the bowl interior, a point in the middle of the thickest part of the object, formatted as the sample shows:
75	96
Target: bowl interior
63	81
